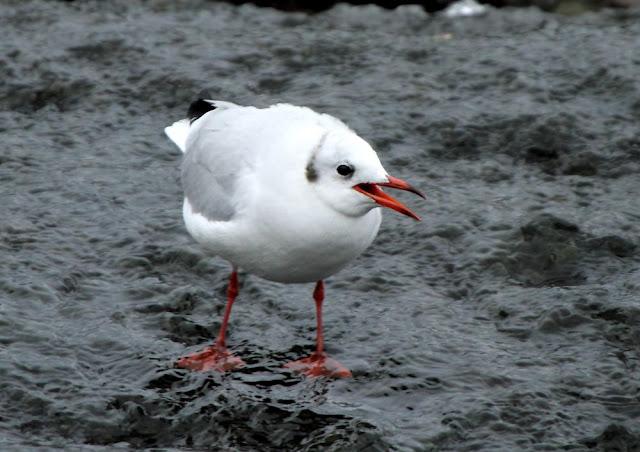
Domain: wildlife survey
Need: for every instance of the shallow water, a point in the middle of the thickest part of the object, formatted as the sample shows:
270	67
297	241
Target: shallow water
509	319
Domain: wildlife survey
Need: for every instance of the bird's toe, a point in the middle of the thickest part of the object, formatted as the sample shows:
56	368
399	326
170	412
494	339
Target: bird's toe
214	357
319	365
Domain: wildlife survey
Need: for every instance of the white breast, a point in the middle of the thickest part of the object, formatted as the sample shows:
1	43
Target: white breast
292	249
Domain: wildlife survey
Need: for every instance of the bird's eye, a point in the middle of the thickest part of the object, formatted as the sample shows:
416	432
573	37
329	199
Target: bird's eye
345	170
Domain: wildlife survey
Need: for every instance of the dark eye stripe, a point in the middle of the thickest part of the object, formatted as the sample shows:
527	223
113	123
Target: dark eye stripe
345	170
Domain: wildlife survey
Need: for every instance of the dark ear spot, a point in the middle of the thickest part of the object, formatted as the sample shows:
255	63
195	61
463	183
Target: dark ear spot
311	172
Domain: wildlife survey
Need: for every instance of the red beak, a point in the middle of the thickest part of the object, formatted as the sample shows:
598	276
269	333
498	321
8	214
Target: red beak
374	192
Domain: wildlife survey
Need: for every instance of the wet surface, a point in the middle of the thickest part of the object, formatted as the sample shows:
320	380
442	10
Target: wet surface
509	319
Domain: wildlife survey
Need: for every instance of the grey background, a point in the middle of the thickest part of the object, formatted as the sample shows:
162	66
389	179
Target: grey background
507	320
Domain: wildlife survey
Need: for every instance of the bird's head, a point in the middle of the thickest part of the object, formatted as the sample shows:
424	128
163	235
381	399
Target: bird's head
348	176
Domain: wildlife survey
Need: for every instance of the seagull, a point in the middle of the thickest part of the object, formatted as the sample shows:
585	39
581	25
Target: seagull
285	193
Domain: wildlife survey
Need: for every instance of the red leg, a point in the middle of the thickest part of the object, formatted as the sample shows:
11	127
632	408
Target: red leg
319	364
216	356
318	297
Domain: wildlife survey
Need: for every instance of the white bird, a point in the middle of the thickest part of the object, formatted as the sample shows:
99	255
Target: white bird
283	192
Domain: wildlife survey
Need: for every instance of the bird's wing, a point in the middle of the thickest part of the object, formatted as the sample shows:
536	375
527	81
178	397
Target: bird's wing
221	142
216	157
179	131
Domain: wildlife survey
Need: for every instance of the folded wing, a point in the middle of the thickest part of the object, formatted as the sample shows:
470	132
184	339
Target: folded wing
213	160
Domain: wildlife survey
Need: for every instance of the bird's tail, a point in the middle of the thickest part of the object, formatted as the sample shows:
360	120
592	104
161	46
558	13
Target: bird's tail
179	130
178	133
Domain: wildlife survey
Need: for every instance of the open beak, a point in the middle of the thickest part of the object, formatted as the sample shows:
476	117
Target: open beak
373	191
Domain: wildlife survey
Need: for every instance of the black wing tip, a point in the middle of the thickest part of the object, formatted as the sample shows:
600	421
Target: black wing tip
200	106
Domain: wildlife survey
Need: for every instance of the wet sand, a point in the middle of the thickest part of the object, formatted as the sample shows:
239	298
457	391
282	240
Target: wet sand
508	319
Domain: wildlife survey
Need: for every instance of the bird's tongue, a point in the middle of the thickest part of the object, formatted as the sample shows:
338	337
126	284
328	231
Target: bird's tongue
374	192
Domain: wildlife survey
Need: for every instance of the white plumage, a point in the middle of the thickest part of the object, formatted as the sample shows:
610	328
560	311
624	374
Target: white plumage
283	192
248	197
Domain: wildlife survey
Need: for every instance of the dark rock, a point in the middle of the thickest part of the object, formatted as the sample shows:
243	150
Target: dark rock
552	252
548	253
584	165
63	95
616	438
